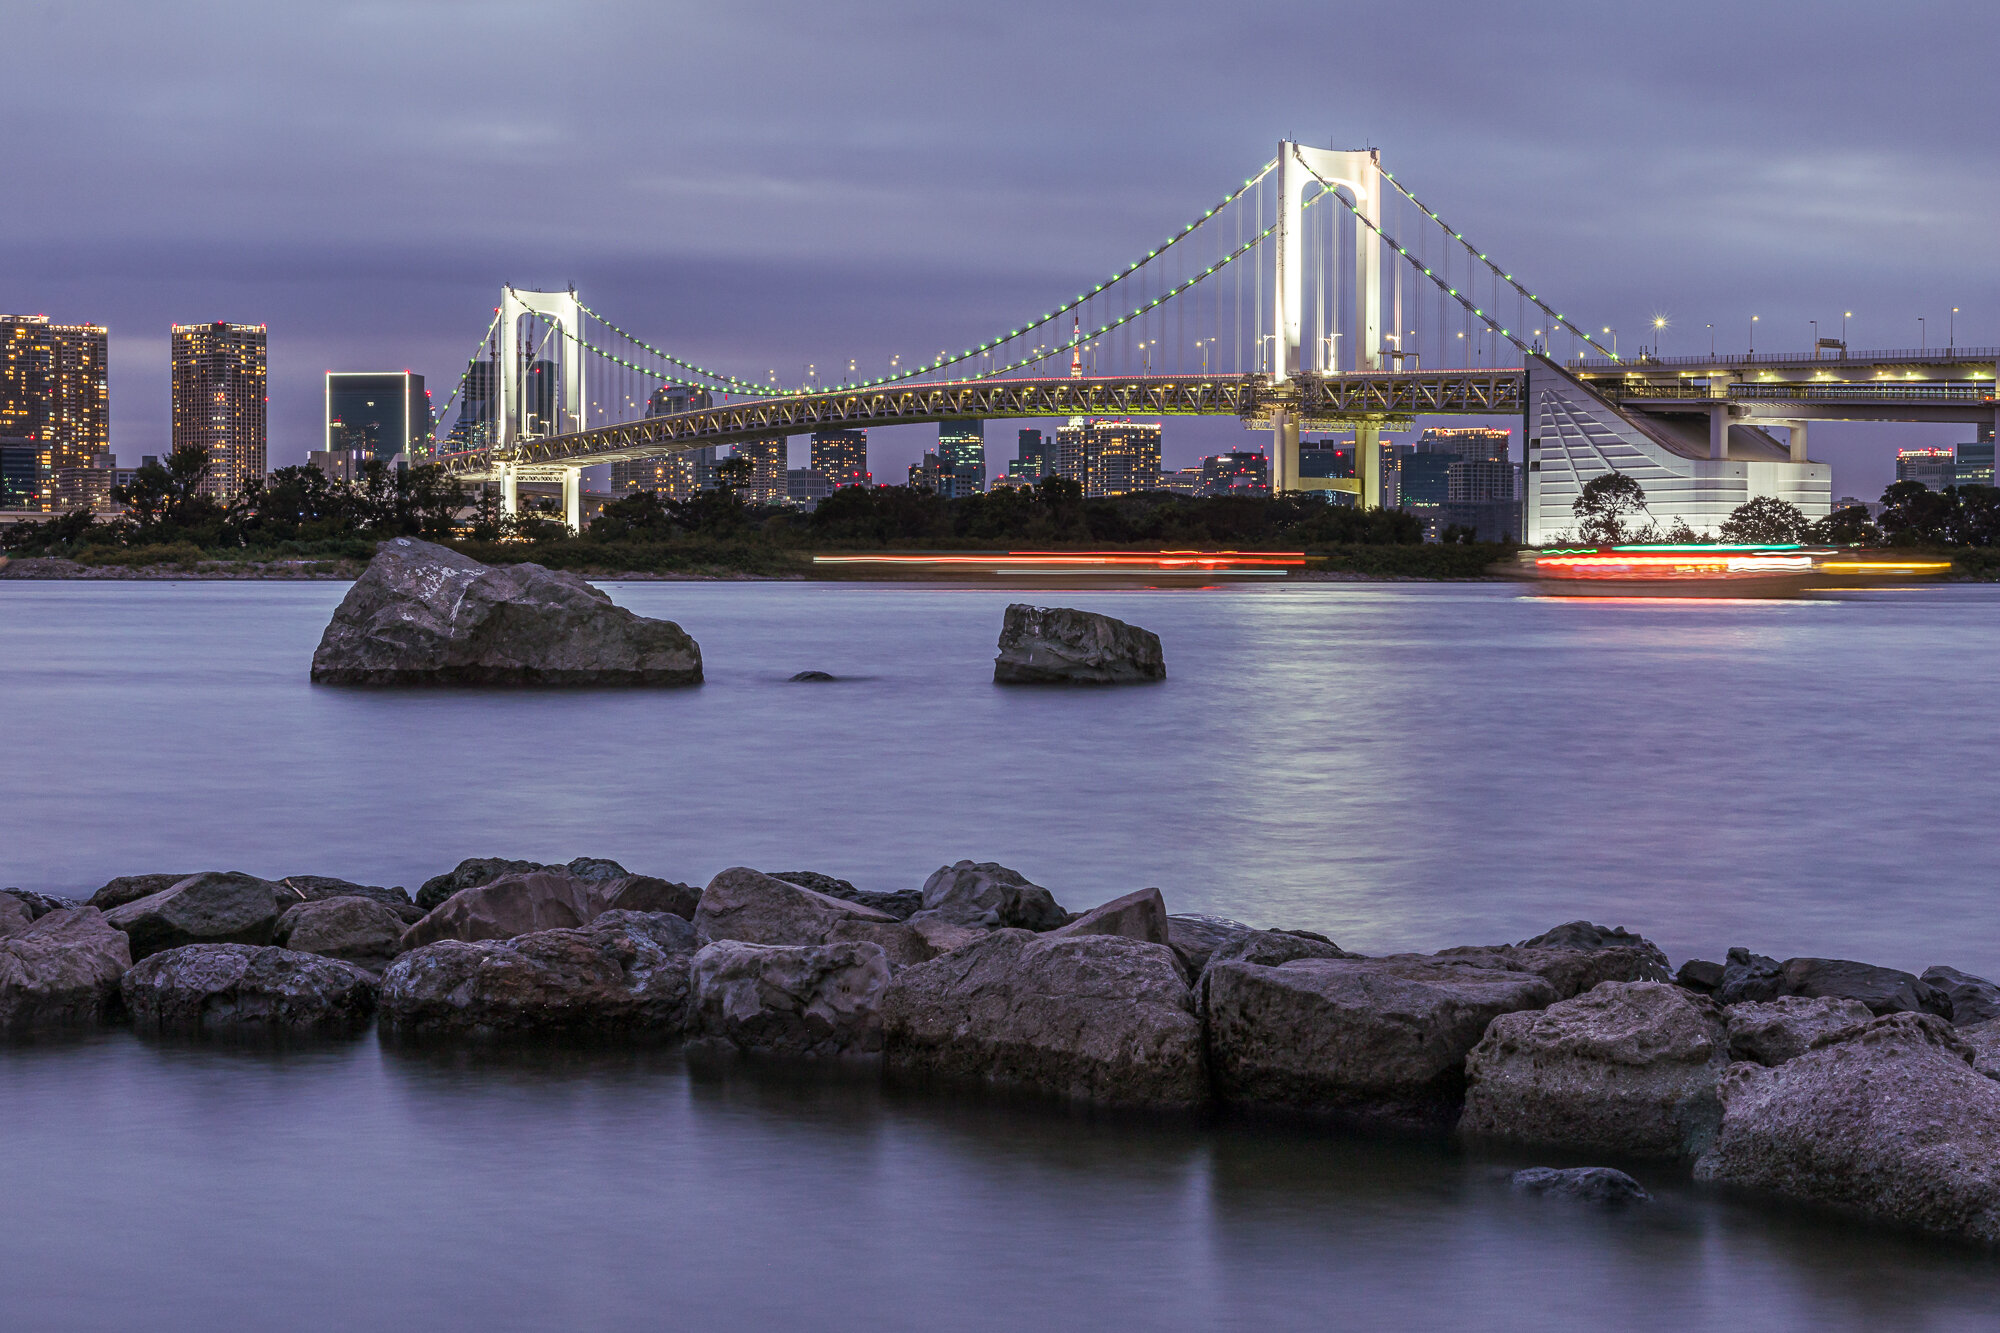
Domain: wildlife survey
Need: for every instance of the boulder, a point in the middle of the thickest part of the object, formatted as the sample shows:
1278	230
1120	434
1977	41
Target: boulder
907	943
424	615
36	904
1749	976
1054	645
14	916
984	893
131	888
1373	1040
748	905
1583	1184
1892	1122
644	893
1273	948
294	889
470	874
1771	1032
356	930
899	903
1093	1018
791	999
1196	937
1883	989
213	907
596	867
1629	1067
61	971
1984	1040
811	676
247	987
1589	938
1973	999
509	906
1136	916
1574	957
1700	977
626	973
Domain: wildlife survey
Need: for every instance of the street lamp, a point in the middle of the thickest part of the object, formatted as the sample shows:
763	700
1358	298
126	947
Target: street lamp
1711	340
1953	334
1845	315
1923	343
1614	341
1753	335
1659	323
1202	345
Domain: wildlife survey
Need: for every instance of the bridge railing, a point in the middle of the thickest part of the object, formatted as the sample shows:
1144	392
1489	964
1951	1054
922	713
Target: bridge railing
1789	358
1824	393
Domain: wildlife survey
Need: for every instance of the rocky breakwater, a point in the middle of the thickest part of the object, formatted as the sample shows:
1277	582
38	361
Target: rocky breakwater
1055	645
422	614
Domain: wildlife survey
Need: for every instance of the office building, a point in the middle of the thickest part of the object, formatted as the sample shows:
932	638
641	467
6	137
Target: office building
87	487
1021	472
1935	468
1182	481
219	400
54	407
1110	457
1481	481
928	474
1472	443
675	476
1975	463
841	456
476	405
961	455
1241	472
1034	456
766	484
378	415
805	487
1425	480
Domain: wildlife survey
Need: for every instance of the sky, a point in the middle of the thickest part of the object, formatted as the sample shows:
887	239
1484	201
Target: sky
763	184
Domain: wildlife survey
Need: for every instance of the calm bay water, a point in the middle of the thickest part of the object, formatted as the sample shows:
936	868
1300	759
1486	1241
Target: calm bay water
1397	766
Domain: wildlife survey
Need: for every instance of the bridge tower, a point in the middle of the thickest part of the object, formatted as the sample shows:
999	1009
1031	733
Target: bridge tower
1359	172
528	411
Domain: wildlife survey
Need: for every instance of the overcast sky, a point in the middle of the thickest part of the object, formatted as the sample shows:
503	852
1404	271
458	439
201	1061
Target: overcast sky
759	185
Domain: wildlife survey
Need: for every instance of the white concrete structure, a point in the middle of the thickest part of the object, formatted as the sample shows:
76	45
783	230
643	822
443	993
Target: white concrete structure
519	344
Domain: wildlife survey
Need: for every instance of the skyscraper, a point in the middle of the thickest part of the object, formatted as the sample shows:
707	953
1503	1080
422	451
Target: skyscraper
1472	443
1243	472
961	454
474	427
1934	468
219	400
767	483
1110	457
378	415
841	456
675	476
1036	455
54	410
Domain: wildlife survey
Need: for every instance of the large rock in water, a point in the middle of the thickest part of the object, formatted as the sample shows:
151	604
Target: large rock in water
61	971
131	888
748	905
511	905
1892	1122
626	973
1374	1040
1750	977
355	930
1054	645
1628	1067
1094	1018
213	907
985	893
245	988
424	615
803	999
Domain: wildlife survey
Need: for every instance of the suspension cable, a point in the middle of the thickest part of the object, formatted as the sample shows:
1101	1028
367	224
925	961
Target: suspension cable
438	416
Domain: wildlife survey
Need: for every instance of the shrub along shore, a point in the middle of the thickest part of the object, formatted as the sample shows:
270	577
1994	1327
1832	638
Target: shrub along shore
1829	1081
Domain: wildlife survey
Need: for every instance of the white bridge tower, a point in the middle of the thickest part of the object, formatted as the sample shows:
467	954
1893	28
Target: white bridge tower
556	409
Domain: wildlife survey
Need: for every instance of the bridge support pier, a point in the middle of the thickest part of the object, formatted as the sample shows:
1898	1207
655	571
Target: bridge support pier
510	492
1368	464
572	498
1795	435
1718	431
1284	452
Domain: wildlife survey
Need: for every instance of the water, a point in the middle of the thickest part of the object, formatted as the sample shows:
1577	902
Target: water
1398	766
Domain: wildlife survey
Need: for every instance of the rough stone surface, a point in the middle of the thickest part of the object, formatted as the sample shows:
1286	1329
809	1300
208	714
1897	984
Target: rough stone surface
1094	1018
1984	1039
511	905
1572	971
1892	1122
1273	948
1973	999
1055	645
1379	1040
356	930
1586	937
1196	937
424	615
644	893
748	905
470	874
596	867
798	999
36	904
1771	1032
213	907
246	987
626	973
899	903
61	971
985	893
1883	989
131	888
294	889
1135	916
907	943
1702	978
1750	976
14	916
1628	1067
1584	1184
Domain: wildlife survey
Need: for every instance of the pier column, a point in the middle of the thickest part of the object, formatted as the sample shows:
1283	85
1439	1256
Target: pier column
1284	452
572	496
510	495
1368	464
1796	435
1718	431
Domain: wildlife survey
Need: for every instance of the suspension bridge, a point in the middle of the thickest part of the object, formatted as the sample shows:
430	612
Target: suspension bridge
1321	294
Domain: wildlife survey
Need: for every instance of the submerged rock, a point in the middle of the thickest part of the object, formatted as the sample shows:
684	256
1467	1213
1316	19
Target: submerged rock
1628	1067
1973	999
811	676
1093	1018
509	906
61	971
1771	1032
1892	1122
626	973
422	614
985	893
1044	645
355	930
1376	1040
246	987
801	999
213	907
1584	1184
470	874
748	905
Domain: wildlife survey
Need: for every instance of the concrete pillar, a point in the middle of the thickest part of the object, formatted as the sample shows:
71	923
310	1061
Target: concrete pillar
1718	431
1284	452
572	493
1796	433
510	497
1368	462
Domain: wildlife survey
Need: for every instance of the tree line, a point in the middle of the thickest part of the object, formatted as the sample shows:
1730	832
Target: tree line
1612	510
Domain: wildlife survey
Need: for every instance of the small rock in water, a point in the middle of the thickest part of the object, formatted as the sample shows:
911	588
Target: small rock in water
815	675
1585	1184
1056	645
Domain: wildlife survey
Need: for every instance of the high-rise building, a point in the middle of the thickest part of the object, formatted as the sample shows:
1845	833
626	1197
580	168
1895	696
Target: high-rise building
1935	468
1110	457
1035	456
219	400
1480	481
1426	478
1975	462
476	405
1472	443
378	415
766	484
54	407
961	454
928	474
1182	481
1240	472
841	456
806	486
675	476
